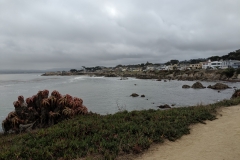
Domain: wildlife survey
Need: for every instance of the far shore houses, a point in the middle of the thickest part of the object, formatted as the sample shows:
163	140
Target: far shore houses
184	65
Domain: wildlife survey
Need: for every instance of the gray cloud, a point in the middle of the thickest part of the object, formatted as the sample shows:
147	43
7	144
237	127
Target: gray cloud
49	34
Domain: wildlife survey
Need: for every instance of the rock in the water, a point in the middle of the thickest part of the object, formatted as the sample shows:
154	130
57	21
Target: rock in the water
134	95
143	95
164	106
159	80
165	80
198	85
219	86
185	86
124	78
236	94
209	86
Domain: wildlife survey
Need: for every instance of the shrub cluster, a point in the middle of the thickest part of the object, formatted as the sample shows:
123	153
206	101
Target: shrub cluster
42	111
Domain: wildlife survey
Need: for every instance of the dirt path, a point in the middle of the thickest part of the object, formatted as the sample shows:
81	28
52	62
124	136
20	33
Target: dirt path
217	140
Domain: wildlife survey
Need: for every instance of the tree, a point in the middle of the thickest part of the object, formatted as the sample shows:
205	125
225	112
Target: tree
214	58
229	72
148	63
174	61
73	70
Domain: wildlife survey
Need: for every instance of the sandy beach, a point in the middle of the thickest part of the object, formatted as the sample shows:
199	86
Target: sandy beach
215	140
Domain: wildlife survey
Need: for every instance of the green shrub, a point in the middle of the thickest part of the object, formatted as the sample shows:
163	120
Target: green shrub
229	72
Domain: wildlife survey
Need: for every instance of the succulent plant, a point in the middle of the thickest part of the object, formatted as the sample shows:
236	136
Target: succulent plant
44	111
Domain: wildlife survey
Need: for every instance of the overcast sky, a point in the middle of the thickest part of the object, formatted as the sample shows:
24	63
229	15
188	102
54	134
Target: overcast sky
44	34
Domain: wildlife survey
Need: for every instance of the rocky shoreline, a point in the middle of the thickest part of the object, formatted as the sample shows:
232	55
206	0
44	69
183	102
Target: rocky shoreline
189	75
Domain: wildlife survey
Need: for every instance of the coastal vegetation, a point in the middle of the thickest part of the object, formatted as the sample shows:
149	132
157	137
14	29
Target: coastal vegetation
108	136
41	110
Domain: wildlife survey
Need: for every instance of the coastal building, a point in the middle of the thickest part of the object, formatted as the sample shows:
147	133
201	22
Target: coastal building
135	69
206	65
184	66
173	67
230	64
216	64
161	67
150	68
195	66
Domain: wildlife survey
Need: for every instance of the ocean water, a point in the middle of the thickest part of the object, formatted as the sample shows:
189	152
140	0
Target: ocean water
106	95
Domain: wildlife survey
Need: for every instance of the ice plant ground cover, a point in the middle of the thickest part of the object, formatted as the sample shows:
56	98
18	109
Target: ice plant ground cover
107	136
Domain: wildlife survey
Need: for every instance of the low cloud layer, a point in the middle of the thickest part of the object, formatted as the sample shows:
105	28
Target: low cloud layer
51	34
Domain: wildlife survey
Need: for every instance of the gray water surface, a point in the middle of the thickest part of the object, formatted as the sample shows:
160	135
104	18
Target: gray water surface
105	95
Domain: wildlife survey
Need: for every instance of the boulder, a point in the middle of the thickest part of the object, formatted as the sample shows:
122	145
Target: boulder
197	85
134	95
185	86
143	95
236	94
219	86
164	106
165	80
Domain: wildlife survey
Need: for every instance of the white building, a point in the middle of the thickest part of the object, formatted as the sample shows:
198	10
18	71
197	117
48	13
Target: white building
212	65
216	64
206	65
230	64
150	68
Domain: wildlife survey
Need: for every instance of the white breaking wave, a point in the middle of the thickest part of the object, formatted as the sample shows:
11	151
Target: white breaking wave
75	79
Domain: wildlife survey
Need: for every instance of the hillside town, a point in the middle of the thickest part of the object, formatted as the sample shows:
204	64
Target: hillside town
222	64
232	60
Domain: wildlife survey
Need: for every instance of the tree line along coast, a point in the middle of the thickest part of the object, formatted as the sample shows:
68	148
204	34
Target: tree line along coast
208	69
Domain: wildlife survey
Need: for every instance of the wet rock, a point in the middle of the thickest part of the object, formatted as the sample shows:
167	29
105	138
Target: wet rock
197	85
185	86
164	106
143	95
209	86
165	80
134	95
236	94
124	78
219	86
159	80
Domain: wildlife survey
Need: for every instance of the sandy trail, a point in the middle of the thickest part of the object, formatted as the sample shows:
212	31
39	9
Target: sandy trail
217	140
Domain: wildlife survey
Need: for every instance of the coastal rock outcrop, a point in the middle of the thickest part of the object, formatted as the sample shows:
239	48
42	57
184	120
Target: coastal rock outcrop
186	86
219	86
134	95
236	94
197	85
41	111
164	106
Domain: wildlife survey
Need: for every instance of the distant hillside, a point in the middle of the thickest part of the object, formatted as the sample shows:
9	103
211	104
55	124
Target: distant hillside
230	56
